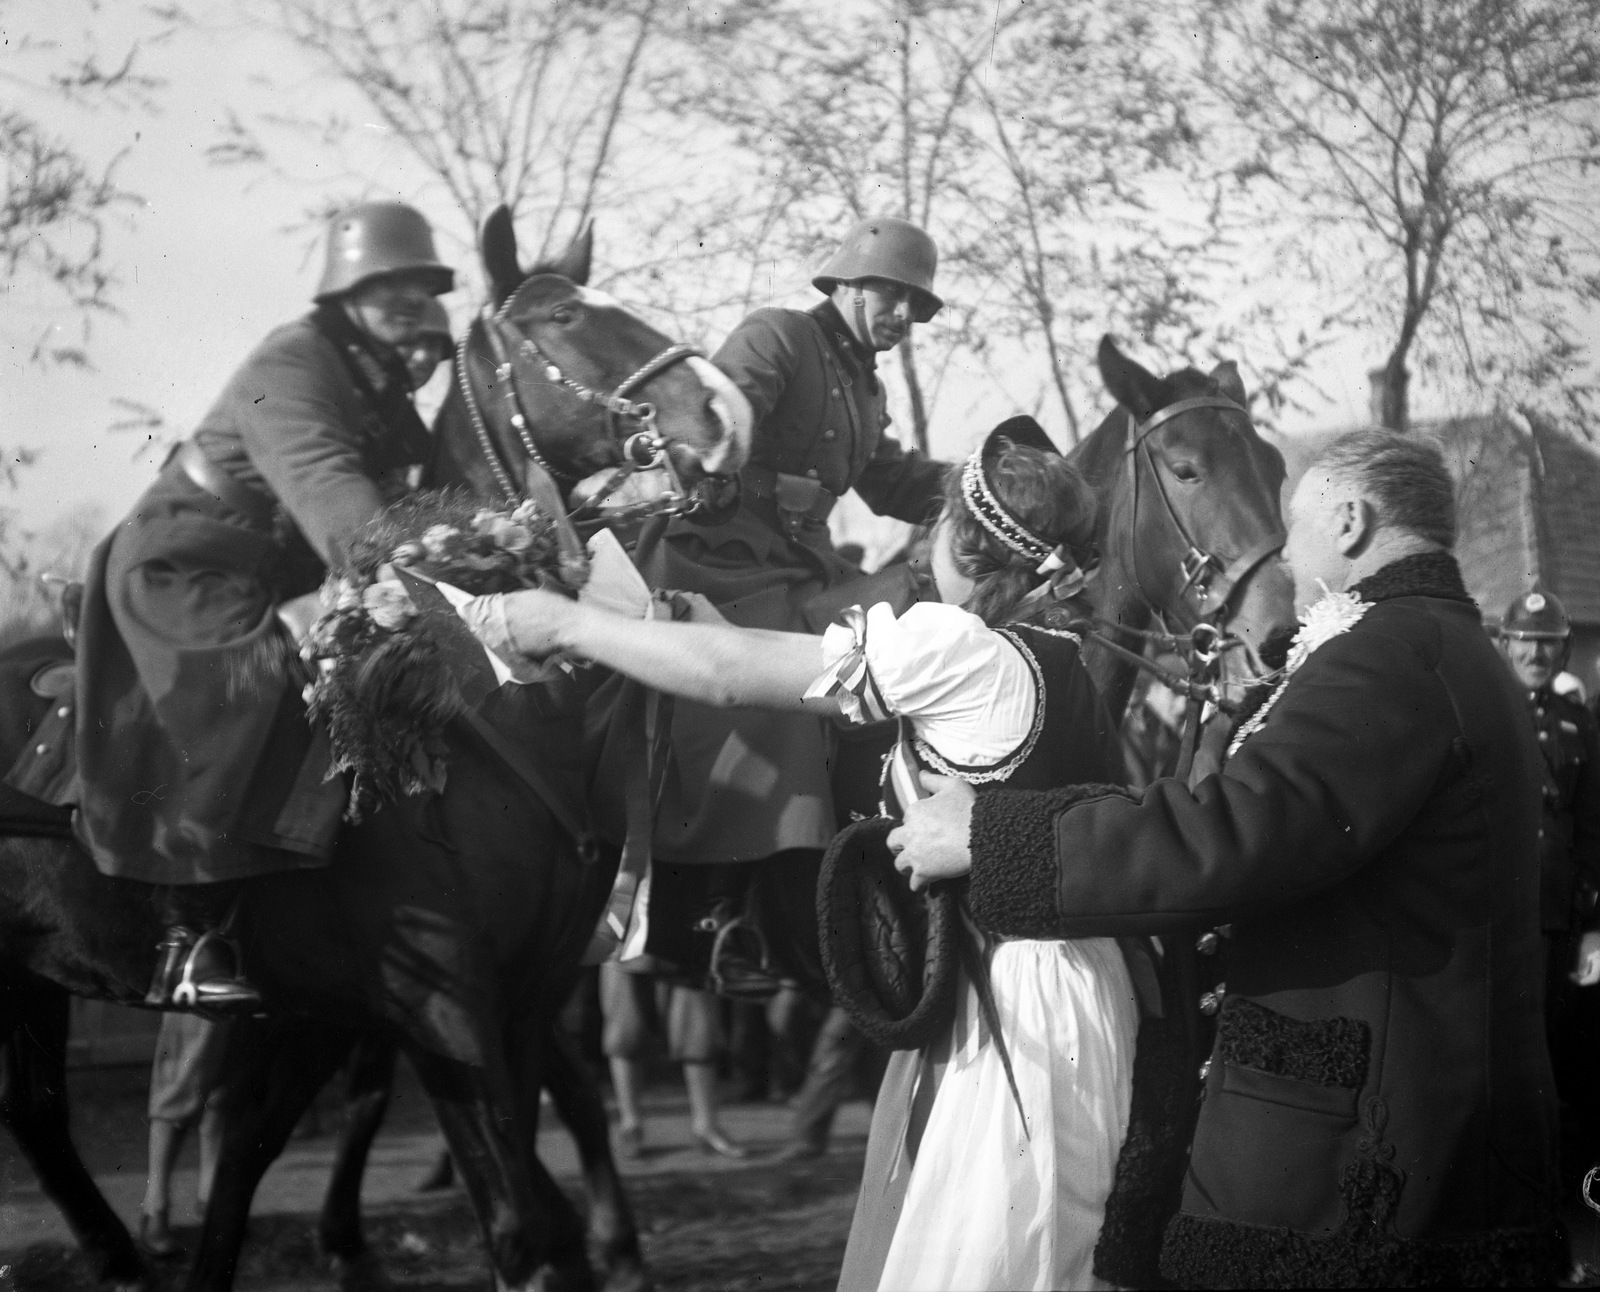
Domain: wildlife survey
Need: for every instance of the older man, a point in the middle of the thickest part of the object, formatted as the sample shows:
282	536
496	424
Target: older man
1378	1103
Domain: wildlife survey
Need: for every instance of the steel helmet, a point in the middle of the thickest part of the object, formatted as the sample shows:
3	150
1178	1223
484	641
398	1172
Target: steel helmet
378	238
435	322
1536	615
887	247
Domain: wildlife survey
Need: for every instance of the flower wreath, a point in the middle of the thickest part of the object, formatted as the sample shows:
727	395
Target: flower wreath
382	684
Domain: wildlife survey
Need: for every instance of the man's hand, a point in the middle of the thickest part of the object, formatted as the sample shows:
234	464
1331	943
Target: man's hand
1586	972
932	843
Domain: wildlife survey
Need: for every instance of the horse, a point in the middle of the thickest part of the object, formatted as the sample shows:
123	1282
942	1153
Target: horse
1188	529
454	920
1188	532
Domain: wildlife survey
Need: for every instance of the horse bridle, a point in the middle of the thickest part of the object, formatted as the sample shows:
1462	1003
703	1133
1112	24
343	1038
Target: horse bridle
1205	642
643	450
1211	581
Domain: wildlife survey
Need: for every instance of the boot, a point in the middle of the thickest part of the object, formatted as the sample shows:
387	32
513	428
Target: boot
198	967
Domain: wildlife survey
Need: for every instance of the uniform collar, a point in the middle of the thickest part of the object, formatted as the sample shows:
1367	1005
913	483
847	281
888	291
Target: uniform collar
857	357
384	372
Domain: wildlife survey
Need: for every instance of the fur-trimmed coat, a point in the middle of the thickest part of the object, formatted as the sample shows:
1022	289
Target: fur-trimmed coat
1378	1107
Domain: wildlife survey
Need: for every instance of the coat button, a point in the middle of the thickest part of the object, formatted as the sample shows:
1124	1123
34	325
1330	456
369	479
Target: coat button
41	749
812	472
1544	737
835	392
1211	1001
1205	1069
63	711
1206	944
830	434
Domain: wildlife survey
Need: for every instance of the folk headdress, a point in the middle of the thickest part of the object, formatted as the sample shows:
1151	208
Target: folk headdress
1065	577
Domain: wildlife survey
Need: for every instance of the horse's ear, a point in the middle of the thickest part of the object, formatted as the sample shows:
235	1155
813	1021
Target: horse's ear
1230	383
573	263
498	244
1139	391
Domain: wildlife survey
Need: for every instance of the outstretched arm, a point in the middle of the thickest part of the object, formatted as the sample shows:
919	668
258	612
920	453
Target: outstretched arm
715	663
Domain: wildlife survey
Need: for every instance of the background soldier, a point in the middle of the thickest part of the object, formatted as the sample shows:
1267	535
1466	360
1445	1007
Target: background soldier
1535	635
755	785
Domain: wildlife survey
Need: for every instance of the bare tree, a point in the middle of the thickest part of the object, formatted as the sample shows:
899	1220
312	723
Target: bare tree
55	202
848	113
503	101
1434	160
1046	147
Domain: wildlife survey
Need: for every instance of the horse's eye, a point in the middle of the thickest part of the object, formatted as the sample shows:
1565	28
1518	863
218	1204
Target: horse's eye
1186	471
563	314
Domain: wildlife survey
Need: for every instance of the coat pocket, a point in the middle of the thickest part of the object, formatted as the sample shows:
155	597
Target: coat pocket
1268	1150
1279	1120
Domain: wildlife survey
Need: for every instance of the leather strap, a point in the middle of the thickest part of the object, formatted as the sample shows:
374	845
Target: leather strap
250	504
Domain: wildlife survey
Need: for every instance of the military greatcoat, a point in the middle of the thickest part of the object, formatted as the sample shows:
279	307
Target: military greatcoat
748	785
196	761
1378	1107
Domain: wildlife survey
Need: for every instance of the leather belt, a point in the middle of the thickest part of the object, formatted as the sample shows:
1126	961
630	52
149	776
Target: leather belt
250	504
798	496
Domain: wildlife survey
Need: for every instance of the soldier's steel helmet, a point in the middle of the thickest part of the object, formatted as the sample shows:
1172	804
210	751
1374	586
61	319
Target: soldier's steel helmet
890	248
1535	616
377	238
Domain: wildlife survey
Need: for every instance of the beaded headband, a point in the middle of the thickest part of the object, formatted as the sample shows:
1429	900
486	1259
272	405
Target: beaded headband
1010	532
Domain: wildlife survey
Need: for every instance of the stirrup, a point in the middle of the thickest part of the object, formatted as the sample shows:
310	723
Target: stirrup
191	995
741	968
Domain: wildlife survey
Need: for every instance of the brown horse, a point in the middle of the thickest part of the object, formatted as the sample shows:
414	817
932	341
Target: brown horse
1190	523
456	919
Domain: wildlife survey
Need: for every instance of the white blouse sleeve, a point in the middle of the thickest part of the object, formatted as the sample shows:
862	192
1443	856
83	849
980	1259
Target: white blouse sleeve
966	689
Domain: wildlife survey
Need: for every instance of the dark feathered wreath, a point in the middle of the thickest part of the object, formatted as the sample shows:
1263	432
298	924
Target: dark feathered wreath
383	685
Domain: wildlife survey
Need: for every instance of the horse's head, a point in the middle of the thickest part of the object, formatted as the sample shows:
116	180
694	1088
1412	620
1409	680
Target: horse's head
557	375
1191	522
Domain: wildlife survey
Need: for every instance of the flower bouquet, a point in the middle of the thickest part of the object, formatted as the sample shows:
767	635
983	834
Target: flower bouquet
384	684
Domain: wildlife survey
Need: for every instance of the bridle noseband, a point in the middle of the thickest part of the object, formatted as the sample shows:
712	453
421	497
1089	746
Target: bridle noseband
1211	582
644	449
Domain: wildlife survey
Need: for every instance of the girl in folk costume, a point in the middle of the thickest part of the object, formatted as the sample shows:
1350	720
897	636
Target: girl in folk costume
973	1179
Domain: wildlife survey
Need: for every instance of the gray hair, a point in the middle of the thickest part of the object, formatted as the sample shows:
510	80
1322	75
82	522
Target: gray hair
1404	478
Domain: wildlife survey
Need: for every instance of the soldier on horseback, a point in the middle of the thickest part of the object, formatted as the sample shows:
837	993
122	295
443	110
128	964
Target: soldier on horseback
756	784
198	767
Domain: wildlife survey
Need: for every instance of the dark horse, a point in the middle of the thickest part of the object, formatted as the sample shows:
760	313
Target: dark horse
1189	531
456	919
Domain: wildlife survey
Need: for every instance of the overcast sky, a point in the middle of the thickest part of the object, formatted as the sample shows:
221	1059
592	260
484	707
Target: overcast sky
216	257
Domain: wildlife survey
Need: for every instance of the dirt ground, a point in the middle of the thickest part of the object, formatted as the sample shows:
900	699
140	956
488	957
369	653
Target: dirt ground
708	1224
